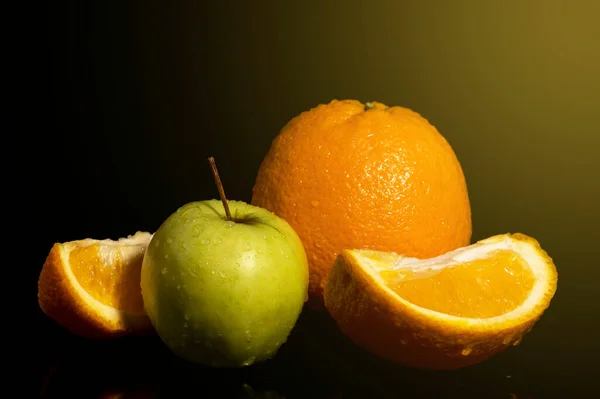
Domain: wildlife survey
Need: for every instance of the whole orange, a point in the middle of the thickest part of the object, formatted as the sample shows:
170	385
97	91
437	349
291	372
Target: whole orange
364	176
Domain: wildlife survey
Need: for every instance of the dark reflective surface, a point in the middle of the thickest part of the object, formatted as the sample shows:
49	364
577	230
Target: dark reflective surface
316	362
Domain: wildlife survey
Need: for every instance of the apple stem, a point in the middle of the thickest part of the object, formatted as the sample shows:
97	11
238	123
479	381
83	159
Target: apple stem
219	184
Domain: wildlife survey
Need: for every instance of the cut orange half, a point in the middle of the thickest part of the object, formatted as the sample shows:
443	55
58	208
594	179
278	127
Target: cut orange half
92	287
446	312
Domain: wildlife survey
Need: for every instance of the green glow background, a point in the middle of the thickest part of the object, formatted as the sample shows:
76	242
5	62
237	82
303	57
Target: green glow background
514	87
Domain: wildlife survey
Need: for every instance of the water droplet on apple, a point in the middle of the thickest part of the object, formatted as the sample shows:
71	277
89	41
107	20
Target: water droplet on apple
218	241
314	203
204	241
466	351
212	272
249	361
223	274
169	240
166	256
186	316
248	335
164	271
230	223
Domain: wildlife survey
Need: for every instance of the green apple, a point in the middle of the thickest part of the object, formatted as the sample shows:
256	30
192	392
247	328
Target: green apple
224	292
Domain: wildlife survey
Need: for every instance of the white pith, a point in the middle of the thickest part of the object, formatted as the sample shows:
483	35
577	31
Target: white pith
532	256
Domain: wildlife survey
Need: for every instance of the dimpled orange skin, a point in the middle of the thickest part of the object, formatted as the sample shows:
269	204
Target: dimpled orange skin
346	175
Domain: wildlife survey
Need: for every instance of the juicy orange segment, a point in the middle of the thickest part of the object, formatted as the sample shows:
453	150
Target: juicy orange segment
104	274
92	287
481	288
446	312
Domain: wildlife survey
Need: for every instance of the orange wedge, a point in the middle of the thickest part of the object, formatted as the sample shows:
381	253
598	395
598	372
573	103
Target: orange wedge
92	287
447	312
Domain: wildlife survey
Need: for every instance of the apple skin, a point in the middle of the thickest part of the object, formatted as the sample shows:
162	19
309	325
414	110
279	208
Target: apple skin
224	293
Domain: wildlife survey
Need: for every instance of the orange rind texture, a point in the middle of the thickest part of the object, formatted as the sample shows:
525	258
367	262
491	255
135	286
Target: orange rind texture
348	175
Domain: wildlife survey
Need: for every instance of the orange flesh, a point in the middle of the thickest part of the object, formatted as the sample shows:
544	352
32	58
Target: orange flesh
102	273
481	288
